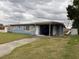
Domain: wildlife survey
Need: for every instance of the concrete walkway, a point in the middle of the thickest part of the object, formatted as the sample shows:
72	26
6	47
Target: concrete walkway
7	48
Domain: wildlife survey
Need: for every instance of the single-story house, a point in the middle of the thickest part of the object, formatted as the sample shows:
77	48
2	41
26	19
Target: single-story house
43	27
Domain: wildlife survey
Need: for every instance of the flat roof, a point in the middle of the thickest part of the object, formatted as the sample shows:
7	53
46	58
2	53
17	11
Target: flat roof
39	21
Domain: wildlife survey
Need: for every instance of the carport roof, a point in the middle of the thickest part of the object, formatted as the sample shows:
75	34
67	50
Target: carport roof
41	21
38	20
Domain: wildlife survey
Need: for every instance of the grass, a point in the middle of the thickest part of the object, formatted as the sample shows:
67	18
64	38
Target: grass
45	48
7	37
40	49
71	50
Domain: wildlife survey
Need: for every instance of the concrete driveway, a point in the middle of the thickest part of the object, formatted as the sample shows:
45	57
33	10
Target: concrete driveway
7	48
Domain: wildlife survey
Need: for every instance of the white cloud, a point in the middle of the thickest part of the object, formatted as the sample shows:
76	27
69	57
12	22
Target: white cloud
14	10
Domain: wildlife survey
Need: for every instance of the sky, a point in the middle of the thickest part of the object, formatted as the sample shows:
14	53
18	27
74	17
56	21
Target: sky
13	11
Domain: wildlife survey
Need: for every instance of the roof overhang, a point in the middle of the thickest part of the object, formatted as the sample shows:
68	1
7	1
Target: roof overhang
40	21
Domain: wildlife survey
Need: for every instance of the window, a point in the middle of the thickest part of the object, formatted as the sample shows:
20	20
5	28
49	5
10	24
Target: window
19	27
26	27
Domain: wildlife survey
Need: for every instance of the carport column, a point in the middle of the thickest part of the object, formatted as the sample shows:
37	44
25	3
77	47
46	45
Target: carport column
60	30
54	30
49	29
36	30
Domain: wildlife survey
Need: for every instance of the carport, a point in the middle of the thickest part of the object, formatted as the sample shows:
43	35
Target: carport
51	29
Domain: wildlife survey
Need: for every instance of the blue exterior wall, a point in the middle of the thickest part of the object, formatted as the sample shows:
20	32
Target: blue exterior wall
57	30
22	29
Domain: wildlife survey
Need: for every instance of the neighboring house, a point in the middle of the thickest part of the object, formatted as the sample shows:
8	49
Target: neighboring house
72	31
46	27
3	28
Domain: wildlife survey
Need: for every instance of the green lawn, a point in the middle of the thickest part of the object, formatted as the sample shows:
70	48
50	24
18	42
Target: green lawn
41	49
45	48
7	37
71	50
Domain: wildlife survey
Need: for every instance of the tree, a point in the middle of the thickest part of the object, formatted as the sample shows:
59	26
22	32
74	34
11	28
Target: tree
73	13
